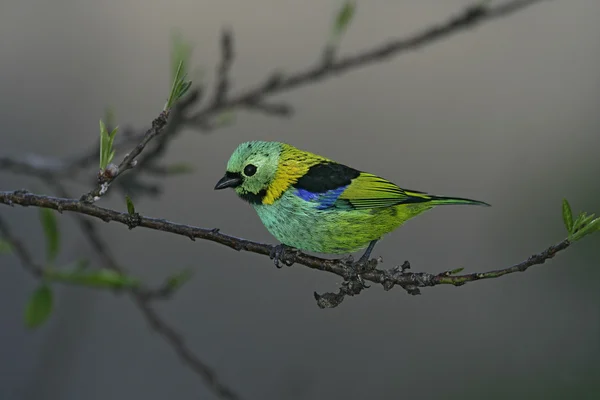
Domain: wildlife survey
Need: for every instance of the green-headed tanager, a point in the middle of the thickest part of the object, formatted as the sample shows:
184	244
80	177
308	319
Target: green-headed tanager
312	203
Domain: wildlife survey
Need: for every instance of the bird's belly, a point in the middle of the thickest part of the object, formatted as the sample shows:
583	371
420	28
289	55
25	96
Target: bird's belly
299	224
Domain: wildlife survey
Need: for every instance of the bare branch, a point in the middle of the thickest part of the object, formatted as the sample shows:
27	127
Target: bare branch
20	250
106	177
388	278
142	299
278	83
223	84
272	109
33	165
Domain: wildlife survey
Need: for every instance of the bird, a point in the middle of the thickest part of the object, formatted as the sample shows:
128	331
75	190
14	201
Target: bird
311	203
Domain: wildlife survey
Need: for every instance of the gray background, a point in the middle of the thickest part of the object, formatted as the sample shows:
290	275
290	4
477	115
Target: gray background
506	113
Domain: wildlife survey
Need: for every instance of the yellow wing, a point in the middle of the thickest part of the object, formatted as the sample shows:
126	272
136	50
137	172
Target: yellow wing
371	191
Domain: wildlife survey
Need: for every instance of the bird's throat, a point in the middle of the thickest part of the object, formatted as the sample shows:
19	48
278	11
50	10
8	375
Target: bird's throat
254	198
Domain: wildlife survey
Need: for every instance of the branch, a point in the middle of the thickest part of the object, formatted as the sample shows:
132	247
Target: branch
222	87
254	99
20	250
164	129
112	172
141	297
277	83
411	282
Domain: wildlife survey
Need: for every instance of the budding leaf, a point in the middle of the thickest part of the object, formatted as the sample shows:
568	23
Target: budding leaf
183	88
455	271
109	278
179	279
587	226
181	52
130	206
39	306
106	145
48	219
103	144
567	215
103	278
344	17
5	247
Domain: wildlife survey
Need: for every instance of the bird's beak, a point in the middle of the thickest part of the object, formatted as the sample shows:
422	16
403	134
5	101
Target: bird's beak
230	180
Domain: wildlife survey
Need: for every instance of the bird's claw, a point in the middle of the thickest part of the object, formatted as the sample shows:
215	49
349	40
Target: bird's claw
355	269
283	254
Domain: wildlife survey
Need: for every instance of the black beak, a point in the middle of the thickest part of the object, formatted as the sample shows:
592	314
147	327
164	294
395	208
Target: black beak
230	180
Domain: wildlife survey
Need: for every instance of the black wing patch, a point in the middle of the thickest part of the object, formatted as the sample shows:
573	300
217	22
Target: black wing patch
326	176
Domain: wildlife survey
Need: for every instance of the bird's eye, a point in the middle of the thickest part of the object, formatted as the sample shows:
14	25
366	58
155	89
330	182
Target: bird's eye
249	170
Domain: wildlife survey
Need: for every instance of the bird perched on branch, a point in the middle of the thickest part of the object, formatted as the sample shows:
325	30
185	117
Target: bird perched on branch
309	202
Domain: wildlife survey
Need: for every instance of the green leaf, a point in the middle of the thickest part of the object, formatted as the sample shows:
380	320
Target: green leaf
39	306
567	216
182	88
577	222
106	145
130	206
175	88
103	144
48	219
111	138
344	17
103	278
182	168
588	225
585	221
177	280
108	278
110	158
181	52
593	226
5	247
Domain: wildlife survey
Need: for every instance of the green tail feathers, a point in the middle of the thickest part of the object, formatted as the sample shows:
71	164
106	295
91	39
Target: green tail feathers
441	200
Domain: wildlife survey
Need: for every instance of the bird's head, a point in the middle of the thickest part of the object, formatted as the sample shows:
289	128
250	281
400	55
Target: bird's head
251	170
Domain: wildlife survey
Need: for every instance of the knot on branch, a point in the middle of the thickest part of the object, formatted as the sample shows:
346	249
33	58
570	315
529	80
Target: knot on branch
331	300
108	174
409	281
21	192
133	220
159	122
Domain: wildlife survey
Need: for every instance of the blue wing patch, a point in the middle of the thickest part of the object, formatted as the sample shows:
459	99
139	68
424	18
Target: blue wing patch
324	200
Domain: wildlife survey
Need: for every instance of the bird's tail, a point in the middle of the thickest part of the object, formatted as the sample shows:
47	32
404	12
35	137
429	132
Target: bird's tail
441	200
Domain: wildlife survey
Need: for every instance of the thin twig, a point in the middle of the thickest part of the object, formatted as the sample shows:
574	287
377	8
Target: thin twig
223	84
278	83
142	299
106	177
20	250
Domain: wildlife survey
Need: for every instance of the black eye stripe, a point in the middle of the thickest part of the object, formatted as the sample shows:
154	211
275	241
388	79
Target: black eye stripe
249	170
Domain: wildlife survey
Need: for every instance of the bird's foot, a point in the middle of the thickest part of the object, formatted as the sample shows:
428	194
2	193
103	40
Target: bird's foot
283	254
364	264
355	269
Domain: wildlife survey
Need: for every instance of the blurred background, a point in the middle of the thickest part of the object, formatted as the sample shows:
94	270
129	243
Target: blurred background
506	113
